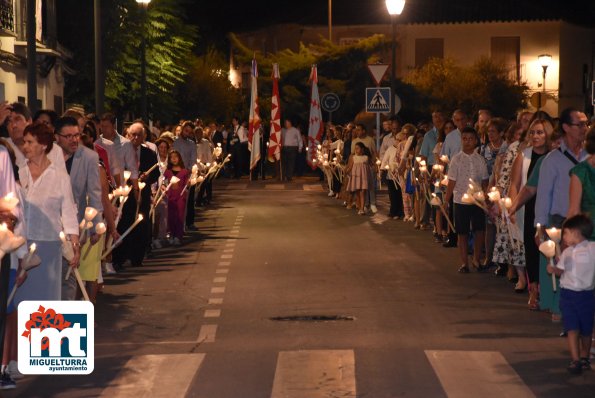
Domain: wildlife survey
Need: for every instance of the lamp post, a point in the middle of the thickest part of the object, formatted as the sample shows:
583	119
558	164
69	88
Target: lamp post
143	64
99	71
395	8
544	60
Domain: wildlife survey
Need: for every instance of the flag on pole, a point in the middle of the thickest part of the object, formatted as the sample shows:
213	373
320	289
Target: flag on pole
274	152
254	120
316	127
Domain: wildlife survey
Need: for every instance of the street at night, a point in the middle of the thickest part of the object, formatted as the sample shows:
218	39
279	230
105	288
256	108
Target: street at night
240	311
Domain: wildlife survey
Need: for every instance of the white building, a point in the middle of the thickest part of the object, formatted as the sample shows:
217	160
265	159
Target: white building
13	55
516	44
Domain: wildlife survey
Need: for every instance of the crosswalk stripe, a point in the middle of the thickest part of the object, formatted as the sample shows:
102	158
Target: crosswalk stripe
315	374
155	376
483	374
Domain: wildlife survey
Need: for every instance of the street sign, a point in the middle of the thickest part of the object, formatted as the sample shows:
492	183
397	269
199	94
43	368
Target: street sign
330	102
377	71
378	99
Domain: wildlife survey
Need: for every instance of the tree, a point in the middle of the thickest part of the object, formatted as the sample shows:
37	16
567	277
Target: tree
483	85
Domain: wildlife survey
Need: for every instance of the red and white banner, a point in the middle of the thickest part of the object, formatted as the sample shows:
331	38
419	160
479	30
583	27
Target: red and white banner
254	120
274	152
316	126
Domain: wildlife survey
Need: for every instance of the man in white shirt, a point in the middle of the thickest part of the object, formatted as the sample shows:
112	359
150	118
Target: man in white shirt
239	147
292	144
204	152
452	142
187	147
123	150
466	165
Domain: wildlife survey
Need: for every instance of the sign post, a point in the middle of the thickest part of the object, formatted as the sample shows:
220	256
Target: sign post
330	102
378	71
378	100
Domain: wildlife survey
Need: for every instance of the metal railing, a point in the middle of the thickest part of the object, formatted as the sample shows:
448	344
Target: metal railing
6	16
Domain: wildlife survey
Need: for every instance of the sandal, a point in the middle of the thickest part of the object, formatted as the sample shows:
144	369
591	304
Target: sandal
463	269
575	368
585	364
520	288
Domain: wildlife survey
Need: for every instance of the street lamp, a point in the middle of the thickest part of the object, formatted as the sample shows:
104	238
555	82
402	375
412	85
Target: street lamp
544	60
144	4
395	8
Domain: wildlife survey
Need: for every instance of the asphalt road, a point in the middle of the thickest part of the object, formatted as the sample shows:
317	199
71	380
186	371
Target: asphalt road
239	311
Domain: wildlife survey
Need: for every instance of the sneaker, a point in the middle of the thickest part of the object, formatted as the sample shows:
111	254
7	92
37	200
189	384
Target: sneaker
374	209
109	269
6	382
157	244
13	370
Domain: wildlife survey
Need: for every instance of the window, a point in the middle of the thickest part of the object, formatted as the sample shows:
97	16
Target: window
507	51
426	49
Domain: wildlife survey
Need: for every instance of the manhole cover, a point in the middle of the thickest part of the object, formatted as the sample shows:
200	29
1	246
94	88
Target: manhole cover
313	318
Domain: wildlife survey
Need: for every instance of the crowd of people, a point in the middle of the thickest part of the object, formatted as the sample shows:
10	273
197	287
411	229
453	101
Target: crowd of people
90	201
497	189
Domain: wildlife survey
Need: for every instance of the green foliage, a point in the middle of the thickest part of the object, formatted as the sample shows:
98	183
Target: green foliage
483	85
168	45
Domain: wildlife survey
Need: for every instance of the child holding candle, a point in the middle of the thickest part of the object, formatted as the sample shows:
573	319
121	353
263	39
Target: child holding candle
464	166
176	200
358	170
576	268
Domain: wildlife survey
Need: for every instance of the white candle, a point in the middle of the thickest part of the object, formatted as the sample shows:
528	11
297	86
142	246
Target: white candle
467	199
479	196
142	185
8	202
100	228
444	181
127	175
90	213
387	167
494	195
554	233
444	158
507	203
138	220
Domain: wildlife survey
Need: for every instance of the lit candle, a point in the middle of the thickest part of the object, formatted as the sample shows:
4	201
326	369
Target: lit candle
100	229
537	229
8	241
467	198
554	233
444	181
90	213
30	261
494	196
479	196
142	185
127	175
325	163
67	249
319	147
548	248
423	163
8	202
444	158
507	203
387	167
378	162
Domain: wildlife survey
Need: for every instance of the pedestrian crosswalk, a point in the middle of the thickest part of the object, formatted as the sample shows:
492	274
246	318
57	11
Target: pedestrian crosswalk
321	374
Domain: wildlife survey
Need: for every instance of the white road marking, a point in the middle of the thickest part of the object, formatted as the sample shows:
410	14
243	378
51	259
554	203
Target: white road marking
233	244
224	256
228	250
232	239
168	375
224	263
207	334
215	301
222	271
218	290
315	374
212	313
483	374
220	279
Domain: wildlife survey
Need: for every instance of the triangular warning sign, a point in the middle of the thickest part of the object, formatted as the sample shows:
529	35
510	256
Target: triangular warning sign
378	71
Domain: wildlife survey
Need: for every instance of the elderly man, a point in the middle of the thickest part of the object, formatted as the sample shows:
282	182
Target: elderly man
136	244
82	166
551	205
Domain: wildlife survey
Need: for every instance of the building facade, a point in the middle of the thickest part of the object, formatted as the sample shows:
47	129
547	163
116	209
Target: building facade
50	60
516	44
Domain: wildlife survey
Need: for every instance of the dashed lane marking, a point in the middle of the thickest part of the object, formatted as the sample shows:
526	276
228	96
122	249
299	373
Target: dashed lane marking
218	290
212	313
222	271
226	256
215	301
207	334
220	279
224	263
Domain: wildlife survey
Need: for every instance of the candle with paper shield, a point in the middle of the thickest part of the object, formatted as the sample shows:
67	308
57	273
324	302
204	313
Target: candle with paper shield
8	241
555	234
494	195
444	158
127	175
124	235
548	248
30	261
67	249
172	181
435	200
468	199
8	202
100	229
444	181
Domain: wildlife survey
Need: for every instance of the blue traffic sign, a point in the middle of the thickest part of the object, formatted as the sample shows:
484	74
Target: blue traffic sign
378	99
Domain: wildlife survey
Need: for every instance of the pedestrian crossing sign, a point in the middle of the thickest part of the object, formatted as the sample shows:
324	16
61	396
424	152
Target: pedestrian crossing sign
378	99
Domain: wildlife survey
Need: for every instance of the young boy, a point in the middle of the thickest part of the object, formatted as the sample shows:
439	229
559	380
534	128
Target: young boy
466	165
576	268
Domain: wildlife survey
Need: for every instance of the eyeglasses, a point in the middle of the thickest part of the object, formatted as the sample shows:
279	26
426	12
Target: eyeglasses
70	136
579	124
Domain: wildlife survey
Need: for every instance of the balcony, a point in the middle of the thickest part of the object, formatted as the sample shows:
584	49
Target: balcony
6	18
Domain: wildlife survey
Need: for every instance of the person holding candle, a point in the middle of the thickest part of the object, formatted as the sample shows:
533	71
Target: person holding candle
160	222
49	209
552	202
539	135
582	183
576	269
358	170
123	153
137	243
390	164
176	200
82	167
465	166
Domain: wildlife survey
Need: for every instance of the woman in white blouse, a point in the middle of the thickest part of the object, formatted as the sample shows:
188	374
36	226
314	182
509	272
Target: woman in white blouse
49	209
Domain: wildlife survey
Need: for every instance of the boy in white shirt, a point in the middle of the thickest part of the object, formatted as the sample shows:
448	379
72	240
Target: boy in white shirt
576	268
466	165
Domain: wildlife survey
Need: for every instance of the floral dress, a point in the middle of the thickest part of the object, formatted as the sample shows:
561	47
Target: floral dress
504	252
